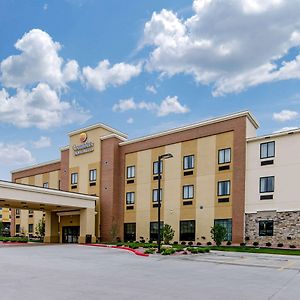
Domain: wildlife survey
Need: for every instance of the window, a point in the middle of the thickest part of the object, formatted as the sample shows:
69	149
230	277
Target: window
188	192
74	178
224	188
266	184
266	228
188	162
17	211
267	150
227	223
129	232
93	175
0	216
130	172
187	230
224	156
30	227
154	230
18	228
46	185
130	198
155	167
155	195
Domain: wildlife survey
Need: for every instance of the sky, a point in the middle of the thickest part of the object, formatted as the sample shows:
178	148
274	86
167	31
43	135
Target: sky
141	67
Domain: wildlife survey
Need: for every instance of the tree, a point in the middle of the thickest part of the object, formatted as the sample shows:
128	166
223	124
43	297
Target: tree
168	233
1	228
218	234
40	228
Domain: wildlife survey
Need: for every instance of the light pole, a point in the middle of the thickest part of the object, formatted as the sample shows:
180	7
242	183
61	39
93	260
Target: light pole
160	158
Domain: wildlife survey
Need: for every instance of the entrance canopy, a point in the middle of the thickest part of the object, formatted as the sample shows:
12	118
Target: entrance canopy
15	195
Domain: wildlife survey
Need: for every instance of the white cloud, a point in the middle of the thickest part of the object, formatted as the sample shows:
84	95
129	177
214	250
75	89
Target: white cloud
42	142
285	115
105	75
232	45
45	6
168	106
285	129
171	105
130	121
124	104
38	62
151	89
40	107
15	154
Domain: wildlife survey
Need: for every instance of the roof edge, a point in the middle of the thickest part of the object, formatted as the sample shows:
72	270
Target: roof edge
35	166
246	113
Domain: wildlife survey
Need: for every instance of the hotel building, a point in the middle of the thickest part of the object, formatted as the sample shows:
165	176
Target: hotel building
220	173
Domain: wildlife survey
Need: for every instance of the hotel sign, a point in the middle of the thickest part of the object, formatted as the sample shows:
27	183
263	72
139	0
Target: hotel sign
85	147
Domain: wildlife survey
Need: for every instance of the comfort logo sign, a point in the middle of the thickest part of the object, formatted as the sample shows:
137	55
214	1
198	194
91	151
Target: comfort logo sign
83	137
84	147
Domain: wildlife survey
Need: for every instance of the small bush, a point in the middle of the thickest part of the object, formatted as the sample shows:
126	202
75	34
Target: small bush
292	246
268	244
280	245
150	251
247	238
228	243
200	250
190	243
208	243
168	251
199	244
150	242
206	250
178	249
255	244
193	250
203	237
175	243
183	243
242	244
184	253
142	241
289	237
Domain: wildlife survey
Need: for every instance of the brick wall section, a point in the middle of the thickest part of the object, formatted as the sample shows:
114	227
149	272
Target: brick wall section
238	126
286	225
109	188
64	170
36	171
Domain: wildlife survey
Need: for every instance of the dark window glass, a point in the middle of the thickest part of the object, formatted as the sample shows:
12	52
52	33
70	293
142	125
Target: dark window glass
224	188
227	223
18	228
266	184
74	178
155	167
188	162
187	230
266	228
130	198
129	232
46	185
267	150
131	172
30	228
154	230
224	156
93	175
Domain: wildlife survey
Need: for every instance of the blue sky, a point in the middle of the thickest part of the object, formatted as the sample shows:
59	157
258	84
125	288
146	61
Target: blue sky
141	67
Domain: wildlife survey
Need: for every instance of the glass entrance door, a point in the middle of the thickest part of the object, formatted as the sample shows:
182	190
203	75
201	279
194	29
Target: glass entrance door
70	234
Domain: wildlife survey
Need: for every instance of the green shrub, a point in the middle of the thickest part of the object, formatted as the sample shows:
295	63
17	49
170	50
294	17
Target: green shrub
218	234
150	251
168	251
168	233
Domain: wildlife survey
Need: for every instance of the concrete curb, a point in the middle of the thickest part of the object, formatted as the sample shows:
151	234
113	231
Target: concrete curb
136	252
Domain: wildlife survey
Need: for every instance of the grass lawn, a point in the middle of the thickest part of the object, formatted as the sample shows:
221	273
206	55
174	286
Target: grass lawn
256	250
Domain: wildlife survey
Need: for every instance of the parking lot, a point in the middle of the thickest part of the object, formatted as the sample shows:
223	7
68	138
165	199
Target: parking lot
83	272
